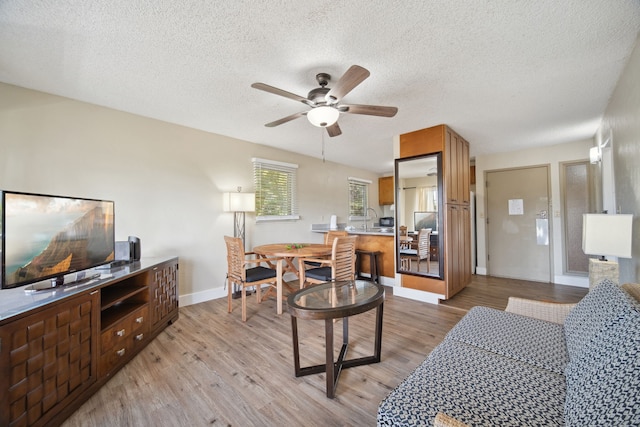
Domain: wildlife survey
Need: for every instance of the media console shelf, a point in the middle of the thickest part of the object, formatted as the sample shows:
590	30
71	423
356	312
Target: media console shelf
119	300
59	346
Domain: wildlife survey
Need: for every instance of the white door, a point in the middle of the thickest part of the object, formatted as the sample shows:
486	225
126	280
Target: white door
518	224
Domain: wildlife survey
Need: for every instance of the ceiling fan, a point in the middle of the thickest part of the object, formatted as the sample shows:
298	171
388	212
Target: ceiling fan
325	102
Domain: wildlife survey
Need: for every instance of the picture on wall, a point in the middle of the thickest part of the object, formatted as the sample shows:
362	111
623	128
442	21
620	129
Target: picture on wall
425	220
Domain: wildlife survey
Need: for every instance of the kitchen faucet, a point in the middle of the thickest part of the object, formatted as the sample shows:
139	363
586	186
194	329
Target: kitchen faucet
365	217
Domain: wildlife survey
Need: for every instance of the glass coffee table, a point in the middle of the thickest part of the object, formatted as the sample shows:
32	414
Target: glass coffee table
336	300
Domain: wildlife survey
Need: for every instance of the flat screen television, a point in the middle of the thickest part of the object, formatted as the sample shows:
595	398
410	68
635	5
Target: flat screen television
46	237
425	220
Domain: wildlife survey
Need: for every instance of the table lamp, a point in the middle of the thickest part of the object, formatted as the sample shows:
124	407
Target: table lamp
606	235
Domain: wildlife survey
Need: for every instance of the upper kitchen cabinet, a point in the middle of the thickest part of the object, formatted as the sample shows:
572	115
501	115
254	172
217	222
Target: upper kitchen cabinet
454	231
385	190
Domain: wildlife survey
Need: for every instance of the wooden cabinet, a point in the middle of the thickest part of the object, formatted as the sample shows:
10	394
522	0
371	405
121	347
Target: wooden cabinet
53	357
456	168
456	194
386	193
164	294
48	360
457	247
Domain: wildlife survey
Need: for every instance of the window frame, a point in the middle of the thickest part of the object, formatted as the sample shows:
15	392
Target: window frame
288	194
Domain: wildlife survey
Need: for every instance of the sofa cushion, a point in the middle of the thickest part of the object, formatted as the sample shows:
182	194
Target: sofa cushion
523	338
476	387
605	303
603	383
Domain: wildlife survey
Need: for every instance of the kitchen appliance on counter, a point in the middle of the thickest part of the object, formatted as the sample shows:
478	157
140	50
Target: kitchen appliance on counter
386	221
333	224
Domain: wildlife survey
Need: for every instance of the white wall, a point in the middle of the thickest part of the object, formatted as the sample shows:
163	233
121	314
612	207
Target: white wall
548	155
622	121
166	180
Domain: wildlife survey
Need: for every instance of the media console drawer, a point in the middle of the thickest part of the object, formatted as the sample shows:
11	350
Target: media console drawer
121	353
136	323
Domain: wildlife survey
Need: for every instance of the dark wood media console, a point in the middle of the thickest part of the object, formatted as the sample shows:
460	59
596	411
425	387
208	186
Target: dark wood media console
59	346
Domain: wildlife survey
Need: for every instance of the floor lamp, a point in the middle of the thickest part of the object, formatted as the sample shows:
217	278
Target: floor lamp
239	203
606	235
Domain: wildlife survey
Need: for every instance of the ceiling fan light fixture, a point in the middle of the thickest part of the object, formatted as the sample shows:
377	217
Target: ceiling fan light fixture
323	116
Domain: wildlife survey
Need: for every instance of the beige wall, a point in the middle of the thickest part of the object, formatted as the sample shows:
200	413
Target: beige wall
166	180
622	121
548	155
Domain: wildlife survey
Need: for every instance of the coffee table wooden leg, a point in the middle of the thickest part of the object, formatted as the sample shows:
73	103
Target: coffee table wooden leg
378	337
296	349
345	330
279	287
330	365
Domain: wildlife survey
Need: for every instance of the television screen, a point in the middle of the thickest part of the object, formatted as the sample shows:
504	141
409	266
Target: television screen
46	237
425	220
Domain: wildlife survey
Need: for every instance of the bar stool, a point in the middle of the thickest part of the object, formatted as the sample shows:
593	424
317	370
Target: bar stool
373	264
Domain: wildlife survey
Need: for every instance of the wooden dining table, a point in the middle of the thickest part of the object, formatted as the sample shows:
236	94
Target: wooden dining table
288	252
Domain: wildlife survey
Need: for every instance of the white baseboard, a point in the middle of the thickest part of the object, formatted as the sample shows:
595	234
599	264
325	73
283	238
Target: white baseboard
203	296
580	281
417	295
384	280
481	271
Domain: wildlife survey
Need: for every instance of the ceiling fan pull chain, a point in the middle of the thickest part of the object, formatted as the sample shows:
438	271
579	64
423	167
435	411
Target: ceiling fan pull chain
322	133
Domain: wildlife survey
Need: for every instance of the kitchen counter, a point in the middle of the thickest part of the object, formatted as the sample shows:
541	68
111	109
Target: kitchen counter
375	231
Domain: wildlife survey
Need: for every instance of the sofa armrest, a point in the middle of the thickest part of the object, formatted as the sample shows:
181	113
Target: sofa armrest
549	311
443	420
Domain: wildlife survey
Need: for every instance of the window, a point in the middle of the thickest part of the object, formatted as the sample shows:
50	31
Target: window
276	189
358	198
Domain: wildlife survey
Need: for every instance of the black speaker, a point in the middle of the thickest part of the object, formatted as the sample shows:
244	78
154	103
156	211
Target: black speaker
135	248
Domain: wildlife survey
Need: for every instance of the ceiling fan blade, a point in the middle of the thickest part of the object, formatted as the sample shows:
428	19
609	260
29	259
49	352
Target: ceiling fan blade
352	78
276	91
334	130
370	110
286	119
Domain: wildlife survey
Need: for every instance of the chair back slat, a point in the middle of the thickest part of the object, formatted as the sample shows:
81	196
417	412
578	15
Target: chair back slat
235	259
424	241
344	257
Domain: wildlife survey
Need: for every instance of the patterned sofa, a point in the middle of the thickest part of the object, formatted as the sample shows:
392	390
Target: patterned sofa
511	368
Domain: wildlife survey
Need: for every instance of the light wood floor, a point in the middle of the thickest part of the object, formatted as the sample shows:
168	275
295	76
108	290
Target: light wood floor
211	369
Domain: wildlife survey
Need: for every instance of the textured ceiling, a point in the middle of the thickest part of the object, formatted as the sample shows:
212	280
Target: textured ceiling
506	74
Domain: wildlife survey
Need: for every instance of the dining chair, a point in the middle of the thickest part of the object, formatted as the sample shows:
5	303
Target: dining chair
404	243
341	265
240	274
421	250
329	237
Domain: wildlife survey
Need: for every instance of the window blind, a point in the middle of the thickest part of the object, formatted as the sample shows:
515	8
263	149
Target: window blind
358	198
276	188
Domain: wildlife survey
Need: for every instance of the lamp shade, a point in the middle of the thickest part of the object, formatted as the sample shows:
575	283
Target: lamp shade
607	235
323	116
239	202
